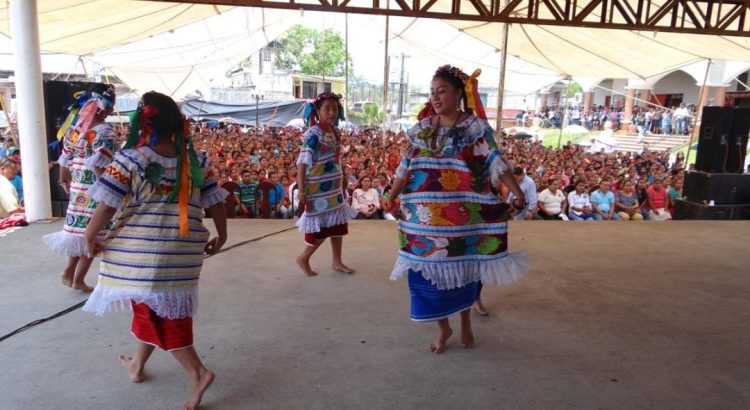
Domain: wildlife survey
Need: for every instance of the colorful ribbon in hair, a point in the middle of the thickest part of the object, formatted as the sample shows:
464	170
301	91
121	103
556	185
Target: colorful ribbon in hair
471	87
141	131
189	175
311	116
82	112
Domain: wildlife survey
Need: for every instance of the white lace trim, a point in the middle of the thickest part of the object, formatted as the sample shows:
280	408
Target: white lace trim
65	243
312	224
176	303
450	275
214	197
306	158
63	160
101	193
97	160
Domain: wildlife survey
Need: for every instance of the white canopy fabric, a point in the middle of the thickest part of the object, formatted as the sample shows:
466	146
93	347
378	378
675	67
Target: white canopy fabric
81	27
607	53
179	47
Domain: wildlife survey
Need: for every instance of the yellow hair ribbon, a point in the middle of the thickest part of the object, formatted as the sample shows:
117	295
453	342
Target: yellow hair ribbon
66	124
469	87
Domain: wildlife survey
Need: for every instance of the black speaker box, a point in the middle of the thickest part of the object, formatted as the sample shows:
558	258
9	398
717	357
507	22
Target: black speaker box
723	189
687	210
738	144
58	95
714	139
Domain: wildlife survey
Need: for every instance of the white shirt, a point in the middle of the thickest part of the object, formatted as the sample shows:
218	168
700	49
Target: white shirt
529	190
552	202
8	197
578	200
361	200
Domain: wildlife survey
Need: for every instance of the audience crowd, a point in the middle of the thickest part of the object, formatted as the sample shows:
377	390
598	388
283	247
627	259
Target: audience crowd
676	120
571	183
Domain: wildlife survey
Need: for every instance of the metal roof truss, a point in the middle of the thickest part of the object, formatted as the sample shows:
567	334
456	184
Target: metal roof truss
722	17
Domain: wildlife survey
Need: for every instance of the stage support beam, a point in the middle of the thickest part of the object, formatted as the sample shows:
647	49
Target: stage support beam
32	129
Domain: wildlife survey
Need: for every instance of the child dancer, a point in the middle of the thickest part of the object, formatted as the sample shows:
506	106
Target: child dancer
321	183
88	144
156	188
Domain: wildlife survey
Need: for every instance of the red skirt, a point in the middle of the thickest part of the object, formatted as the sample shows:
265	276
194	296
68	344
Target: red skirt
166	334
336	230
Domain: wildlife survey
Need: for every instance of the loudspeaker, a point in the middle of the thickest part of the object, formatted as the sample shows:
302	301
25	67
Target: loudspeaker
714	139
738	144
723	189
687	210
58	95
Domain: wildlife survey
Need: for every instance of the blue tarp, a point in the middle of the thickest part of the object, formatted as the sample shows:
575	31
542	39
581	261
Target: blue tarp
273	114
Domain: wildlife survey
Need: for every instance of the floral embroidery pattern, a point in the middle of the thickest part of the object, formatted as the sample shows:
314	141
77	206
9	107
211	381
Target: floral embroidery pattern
449	180
464	225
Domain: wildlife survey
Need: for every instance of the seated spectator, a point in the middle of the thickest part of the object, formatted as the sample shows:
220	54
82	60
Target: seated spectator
529	190
276	198
366	201
603	202
675	192
246	194
551	202
11	211
626	202
579	203
641	192
658	201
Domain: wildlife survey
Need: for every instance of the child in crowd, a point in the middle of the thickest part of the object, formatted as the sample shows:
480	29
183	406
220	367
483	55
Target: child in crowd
320	179
156	189
246	193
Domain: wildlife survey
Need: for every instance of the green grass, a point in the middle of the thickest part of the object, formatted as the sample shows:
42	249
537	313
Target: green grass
551	137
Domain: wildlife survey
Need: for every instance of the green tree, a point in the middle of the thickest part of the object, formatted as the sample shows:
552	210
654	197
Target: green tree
573	89
313	52
371	115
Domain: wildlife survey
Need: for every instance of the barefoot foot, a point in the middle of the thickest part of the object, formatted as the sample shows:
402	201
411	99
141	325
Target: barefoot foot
67	278
304	264
200	386
467	338
480	309
340	267
83	287
136	375
438	346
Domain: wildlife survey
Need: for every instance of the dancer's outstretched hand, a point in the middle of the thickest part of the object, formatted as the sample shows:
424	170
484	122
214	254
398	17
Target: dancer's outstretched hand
214	245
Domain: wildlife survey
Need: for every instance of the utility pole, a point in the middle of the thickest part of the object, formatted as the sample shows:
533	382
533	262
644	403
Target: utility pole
401	87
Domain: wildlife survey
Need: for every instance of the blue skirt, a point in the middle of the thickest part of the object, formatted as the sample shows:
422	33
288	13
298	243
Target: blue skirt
430	303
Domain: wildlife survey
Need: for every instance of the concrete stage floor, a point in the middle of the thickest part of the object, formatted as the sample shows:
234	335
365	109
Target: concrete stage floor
612	316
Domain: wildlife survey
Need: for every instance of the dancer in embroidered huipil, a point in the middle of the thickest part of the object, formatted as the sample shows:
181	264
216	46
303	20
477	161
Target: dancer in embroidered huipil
156	189
88	145
453	233
321	184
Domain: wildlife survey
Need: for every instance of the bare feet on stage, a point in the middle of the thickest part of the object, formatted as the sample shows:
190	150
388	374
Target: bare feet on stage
83	287
304	264
467	334
467	338
67	277
134	373
438	346
480	309
340	267
200	385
